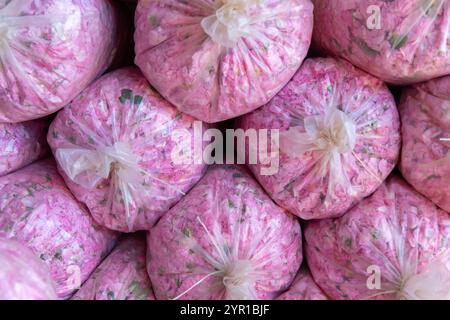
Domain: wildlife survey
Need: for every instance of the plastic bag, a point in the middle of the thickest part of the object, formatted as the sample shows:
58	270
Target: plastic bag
21	144
303	288
225	240
121	276
216	60
22	275
38	210
392	245
398	41
425	163
50	50
338	139
114	146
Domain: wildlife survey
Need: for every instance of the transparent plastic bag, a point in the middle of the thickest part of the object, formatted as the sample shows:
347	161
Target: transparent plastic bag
38	210
21	144
303	288
338	139
425	163
225	240
392	245
50	50
114	145
216	60
122	275
22	275
398	41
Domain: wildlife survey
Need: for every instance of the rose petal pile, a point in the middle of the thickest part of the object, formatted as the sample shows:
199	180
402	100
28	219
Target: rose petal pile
38	210
21	144
338	139
225	240
303	288
398	41
392	245
22	275
115	146
50	50
121	276
425	162
216	60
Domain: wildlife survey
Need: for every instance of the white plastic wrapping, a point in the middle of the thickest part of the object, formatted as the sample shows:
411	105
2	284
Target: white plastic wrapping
114	145
218	59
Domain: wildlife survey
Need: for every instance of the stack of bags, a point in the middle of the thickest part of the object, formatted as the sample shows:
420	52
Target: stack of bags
95	202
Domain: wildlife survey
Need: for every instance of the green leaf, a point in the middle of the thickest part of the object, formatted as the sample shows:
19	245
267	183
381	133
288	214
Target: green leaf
133	286
190	266
366	48
110	295
153	21
72	140
139	292
231	204
138	100
322	197
58	255
348	242
375	234
126	94
187	232
398	41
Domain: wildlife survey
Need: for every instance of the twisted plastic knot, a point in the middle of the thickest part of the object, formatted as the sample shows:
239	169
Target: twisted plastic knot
334	132
238	274
230	22
89	167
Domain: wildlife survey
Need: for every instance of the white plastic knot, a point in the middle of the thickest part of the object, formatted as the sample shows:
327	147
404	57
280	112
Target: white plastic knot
332	132
239	279
230	22
431	284
333	135
88	167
